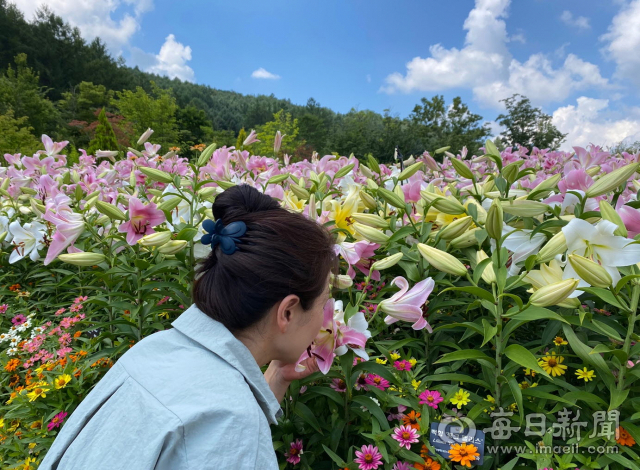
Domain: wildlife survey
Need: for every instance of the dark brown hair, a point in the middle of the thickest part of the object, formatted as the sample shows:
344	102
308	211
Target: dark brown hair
281	253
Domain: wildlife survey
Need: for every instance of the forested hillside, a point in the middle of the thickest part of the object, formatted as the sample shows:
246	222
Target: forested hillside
54	82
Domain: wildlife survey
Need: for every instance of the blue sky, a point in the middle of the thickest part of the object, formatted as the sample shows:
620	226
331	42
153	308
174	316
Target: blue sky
575	59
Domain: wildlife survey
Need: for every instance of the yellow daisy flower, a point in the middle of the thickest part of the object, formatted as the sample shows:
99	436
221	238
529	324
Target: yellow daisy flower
552	364
381	361
513	407
559	341
585	374
62	381
460	398
530	372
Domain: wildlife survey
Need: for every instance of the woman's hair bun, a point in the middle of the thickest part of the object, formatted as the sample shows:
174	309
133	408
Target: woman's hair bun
239	200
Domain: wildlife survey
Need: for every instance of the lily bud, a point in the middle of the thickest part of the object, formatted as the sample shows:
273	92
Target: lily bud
144	137
555	246
110	210
466	240
313	210
170	204
594	170
441	260
462	169
524	208
90	202
225	184
37	208
3	235
370	233
156	175
456	228
547	184
609	213
409	171
553	294
431	163
372	220
102	220
366	171
611	181
341	281
443	204
368	201
300	192
29	191
488	274
392	198
510	172
206	192
173	247
5	184
75	177
495	220
132	179
82	259
372	185
387	262
590	271
155	239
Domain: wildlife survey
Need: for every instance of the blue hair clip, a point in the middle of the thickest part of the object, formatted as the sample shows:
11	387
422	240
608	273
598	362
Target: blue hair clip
225	235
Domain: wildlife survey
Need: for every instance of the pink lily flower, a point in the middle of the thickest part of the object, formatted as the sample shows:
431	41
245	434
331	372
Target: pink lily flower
142	219
51	147
251	138
277	143
631	219
69	226
406	305
355	253
323	347
353	334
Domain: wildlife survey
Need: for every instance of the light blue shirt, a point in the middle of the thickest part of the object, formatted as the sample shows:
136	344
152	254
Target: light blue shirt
192	397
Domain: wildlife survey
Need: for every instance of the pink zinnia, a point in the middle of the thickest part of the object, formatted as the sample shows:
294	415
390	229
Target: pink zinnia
18	319
60	311
396	413
3	308
77	300
369	458
361	383
431	398
377	381
142	219
338	385
57	420
405	435
293	455
402	466
402	365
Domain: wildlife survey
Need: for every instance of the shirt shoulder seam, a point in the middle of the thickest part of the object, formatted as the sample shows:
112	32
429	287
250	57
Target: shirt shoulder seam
184	444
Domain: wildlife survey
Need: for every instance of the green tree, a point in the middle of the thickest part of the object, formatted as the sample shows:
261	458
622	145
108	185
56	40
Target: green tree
104	138
287	126
194	127
156	111
21	92
16	136
242	135
80	103
528	126
438	125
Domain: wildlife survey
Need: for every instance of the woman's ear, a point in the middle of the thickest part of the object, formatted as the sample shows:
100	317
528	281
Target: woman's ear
286	311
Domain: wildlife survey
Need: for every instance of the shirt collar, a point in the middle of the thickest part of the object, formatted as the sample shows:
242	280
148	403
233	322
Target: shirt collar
214	336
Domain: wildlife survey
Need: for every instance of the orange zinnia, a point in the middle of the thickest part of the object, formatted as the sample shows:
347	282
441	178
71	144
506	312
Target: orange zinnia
429	464
412	420
624	438
12	365
463	453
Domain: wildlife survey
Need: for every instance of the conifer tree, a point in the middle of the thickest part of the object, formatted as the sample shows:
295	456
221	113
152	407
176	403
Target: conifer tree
104	138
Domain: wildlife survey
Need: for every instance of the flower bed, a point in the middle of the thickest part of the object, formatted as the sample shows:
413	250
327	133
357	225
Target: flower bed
497	291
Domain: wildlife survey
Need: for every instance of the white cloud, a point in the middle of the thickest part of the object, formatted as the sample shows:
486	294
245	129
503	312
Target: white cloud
172	60
591	122
485	65
580	22
96	18
517	38
263	74
623	41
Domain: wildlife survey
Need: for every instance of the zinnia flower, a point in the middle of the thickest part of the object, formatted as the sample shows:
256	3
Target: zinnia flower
429	463
464	454
377	381
57	420
411	420
461	397
401	466
396	412
552	364
293	455
431	398
624	438
405	435
368	458
338	385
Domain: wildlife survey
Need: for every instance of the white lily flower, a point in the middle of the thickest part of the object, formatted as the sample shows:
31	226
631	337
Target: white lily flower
29	239
356	322
522	244
599	244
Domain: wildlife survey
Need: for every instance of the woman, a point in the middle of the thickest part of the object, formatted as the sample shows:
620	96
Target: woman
194	397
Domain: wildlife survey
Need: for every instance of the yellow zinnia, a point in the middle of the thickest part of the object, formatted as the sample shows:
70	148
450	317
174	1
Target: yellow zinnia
381	361
416	383
413	362
552	364
394	356
461	398
62	381
37	392
585	374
